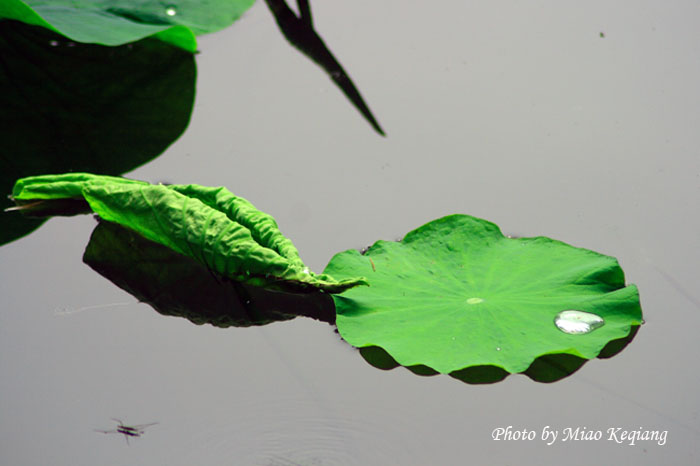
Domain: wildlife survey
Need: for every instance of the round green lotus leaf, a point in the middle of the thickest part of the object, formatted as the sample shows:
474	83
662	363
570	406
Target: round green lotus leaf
457	293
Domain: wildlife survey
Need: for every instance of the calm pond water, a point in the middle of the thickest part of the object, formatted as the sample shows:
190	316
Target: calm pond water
524	115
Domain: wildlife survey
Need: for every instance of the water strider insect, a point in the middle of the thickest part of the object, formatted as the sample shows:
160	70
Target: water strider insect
127	431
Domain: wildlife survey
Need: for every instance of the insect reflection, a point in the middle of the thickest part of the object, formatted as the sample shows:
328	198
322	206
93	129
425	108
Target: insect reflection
127	431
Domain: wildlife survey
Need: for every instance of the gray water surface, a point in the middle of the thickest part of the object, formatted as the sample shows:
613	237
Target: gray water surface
520	113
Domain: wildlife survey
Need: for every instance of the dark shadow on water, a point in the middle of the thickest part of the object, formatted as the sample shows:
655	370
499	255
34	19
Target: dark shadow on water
615	346
554	367
545	369
380	359
176	285
477	375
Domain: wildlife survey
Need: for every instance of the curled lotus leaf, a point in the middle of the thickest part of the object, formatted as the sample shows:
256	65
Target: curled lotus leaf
224	232
456	293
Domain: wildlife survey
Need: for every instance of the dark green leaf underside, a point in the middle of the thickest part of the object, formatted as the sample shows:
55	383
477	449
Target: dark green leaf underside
85	107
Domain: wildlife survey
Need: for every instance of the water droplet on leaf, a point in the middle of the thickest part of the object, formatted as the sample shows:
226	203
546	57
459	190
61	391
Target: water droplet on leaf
170	10
474	300
577	322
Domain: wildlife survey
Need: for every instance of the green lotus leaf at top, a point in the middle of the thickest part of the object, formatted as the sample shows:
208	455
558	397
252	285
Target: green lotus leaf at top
456	293
116	22
220	230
